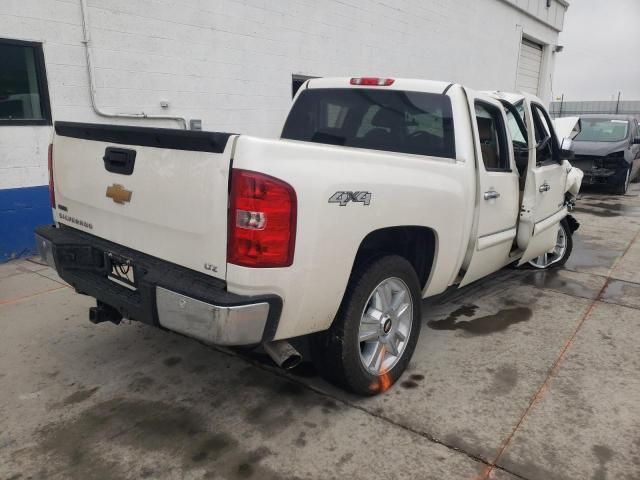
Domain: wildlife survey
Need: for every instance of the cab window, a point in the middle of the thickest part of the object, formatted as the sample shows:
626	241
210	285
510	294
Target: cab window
493	138
545	140
416	123
518	135
519	139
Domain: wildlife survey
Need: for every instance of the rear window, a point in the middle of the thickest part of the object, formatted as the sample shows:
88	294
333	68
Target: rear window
391	120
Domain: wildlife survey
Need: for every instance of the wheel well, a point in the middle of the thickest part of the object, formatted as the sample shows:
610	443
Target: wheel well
416	244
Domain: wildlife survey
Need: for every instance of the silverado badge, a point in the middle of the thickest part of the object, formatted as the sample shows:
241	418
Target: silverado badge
119	194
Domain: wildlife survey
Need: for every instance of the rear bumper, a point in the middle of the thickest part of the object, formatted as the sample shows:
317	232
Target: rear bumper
165	294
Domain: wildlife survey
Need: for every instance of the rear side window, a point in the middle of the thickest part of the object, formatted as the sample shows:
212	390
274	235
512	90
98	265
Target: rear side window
493	138
390	120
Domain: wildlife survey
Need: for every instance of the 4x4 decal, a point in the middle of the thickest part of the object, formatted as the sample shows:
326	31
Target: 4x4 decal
345	197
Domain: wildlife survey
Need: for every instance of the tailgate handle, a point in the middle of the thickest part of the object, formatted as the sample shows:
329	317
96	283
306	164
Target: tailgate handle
119	160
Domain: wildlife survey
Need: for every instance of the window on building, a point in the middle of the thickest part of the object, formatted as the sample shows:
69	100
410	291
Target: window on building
493	138
24	99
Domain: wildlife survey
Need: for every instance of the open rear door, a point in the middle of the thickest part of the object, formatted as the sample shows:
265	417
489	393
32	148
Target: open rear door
542	206
497	190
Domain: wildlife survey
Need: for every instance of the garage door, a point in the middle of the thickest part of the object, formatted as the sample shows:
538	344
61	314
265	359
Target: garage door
529	67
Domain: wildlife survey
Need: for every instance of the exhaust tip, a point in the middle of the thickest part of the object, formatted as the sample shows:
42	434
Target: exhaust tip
291	362
283	353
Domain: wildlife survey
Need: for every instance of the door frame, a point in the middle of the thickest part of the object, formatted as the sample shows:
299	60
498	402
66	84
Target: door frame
489	252
534	234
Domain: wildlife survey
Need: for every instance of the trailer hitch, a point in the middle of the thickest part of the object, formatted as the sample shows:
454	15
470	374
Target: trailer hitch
104	313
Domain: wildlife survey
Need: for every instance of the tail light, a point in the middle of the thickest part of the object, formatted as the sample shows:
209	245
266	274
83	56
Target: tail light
372	81
262	220
52	193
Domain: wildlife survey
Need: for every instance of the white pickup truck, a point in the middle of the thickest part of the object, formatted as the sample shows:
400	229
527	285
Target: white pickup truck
379	193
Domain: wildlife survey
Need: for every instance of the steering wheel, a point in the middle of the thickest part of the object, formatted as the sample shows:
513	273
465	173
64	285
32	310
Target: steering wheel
543	143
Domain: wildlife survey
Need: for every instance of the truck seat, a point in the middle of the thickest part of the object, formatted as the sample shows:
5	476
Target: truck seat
488	143
389	125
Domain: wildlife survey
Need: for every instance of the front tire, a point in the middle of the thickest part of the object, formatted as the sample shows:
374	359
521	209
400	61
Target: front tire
561	252
375	332
623	186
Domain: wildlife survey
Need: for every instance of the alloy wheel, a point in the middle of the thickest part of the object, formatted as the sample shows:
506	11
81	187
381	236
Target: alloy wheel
385	326
549	258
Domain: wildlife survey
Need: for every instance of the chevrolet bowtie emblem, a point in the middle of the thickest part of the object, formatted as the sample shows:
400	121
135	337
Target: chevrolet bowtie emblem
119	194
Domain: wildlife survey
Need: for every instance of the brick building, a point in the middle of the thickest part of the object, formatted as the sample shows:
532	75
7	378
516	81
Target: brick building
232	65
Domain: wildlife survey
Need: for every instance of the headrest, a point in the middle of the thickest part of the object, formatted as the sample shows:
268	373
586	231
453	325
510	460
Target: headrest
485	132
387	118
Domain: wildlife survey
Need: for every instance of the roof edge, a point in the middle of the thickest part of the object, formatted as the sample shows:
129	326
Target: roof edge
512	4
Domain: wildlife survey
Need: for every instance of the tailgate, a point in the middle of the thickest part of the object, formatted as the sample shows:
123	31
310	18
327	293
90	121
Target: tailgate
162	192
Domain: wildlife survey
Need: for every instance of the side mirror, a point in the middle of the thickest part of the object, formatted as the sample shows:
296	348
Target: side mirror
566	149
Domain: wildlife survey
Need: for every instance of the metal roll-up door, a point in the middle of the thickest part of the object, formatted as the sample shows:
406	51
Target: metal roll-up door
529	67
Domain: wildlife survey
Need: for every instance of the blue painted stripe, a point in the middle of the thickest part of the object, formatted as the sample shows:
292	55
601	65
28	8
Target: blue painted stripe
21	210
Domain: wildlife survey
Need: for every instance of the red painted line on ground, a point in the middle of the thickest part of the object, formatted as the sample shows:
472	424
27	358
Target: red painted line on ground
26	297
556	365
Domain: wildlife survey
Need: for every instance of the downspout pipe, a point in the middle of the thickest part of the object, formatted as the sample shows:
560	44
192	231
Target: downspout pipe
92	84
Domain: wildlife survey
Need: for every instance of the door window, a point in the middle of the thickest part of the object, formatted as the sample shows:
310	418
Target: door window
493	138
515	122
546	146
23	88
518	130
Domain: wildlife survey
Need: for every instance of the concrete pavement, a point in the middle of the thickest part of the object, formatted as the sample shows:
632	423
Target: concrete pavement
525	375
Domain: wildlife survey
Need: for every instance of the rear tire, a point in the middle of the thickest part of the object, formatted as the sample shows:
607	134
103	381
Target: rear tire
381	307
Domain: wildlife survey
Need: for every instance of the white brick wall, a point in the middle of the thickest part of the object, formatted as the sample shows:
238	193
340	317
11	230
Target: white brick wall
229	62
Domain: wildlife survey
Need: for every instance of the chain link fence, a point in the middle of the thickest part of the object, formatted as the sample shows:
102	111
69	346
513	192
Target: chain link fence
574	109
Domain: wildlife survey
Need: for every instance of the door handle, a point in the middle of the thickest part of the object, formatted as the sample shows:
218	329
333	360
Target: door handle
544	187
491	194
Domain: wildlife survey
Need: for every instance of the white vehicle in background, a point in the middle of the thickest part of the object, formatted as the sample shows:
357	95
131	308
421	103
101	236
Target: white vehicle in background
379	193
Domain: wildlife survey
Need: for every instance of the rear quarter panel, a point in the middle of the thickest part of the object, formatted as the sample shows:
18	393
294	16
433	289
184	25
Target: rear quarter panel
405	190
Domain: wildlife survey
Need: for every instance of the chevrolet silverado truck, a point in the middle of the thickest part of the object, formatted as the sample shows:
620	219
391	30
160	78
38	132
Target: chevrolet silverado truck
380	192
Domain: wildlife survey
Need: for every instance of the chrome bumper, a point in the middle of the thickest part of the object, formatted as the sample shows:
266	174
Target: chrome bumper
218	325
206	310
45	249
